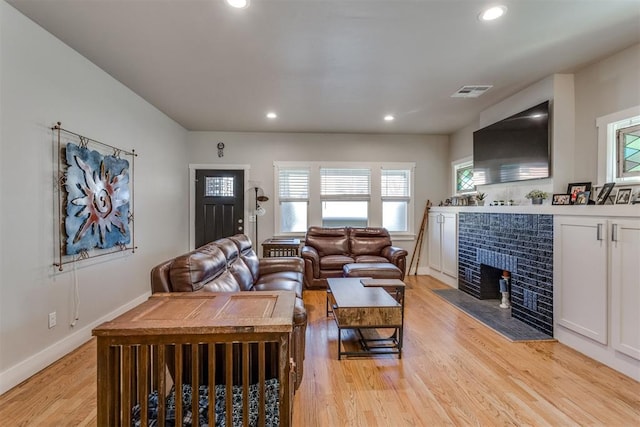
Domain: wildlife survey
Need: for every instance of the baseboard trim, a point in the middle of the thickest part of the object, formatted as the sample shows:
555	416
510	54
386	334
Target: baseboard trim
34	364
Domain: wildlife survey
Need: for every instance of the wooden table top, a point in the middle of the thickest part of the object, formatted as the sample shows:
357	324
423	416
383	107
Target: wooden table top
205	312
349	293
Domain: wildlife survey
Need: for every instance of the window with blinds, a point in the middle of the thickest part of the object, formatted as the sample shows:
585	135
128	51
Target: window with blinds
395	192
345	195
339	194
345	183
293	192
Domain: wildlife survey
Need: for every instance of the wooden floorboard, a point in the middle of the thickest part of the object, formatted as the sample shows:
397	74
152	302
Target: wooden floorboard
453	371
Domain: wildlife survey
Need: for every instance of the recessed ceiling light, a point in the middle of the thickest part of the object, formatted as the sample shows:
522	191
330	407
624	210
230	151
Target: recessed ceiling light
389	118
272	115
492	13
238	4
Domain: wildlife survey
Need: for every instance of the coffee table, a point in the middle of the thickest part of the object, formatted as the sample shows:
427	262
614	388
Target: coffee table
360	307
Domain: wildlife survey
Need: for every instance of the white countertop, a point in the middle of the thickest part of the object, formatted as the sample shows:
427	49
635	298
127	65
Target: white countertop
632	211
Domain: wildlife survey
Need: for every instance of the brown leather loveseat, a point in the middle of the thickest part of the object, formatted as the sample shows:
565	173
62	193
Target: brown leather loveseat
327	250
231	265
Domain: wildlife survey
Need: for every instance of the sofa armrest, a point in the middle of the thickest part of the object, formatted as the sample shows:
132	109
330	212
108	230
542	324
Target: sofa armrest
280	264
310	254
396	256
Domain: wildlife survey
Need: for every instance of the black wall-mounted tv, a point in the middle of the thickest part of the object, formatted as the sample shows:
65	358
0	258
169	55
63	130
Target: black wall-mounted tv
514	149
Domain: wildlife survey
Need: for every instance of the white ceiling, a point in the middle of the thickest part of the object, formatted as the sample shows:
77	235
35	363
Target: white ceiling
333	66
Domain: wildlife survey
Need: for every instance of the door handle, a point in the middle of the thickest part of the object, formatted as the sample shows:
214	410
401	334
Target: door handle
240	228
614	232
599	232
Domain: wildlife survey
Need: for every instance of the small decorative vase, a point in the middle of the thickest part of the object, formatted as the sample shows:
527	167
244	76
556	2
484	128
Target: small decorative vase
536	201
505	300
480	202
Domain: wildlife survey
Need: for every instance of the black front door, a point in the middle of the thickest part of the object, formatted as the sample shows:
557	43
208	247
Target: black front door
219	204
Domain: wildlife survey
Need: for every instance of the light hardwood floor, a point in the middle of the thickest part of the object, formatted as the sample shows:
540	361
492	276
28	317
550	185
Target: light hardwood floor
454	371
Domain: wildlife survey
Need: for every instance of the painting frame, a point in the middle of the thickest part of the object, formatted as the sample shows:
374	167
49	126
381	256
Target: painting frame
604	193
561	199
94	207
623	196
577	187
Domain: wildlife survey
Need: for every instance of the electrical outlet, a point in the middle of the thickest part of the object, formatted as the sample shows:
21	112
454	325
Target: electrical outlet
52	320
252	218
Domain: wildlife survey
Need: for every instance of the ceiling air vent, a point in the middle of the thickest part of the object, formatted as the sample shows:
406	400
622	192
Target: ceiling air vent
471	91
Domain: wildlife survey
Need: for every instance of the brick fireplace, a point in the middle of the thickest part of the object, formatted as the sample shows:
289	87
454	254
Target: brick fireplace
519	243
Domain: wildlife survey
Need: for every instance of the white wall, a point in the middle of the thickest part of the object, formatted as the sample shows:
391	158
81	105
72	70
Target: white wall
602	88
260	150
43	81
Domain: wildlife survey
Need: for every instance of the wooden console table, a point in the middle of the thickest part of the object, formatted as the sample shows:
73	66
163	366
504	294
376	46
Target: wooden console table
137	348
279	247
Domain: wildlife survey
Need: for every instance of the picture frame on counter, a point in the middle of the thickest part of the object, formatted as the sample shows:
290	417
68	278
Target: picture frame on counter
561	199
582	198
623	196
576	187
604	193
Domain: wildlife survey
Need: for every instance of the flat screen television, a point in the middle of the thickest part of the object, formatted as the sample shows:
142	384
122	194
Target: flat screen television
514	149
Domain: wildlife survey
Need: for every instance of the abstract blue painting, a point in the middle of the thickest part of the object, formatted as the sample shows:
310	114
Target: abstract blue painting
97	207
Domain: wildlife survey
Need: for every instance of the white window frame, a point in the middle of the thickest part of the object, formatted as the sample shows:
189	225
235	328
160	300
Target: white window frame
280	199
398	198
608	145
620	142
457	165
314	210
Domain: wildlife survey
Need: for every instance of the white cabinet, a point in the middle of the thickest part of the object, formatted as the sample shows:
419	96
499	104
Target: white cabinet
597	288
625	287
581	300
443	244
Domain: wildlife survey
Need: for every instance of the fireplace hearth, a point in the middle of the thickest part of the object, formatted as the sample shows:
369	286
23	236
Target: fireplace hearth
521	244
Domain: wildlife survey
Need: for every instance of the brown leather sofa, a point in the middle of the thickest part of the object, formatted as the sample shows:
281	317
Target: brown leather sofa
327	250
231	265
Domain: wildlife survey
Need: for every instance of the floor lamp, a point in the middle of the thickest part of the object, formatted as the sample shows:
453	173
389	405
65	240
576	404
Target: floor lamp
259	211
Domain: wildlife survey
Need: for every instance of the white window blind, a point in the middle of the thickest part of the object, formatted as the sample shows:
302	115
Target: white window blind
395	183
345	183
294	184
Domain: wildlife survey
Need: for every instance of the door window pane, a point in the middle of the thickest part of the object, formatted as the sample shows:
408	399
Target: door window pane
394	215
218	186
345	213
293	217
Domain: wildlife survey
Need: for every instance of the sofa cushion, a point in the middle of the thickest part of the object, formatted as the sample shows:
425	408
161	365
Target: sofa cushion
369	241
328	241
284	281
226	282
190	272
383	270
334	262
237	266
247	254
371	259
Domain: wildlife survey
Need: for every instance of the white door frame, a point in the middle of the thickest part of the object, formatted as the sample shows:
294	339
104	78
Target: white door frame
192	192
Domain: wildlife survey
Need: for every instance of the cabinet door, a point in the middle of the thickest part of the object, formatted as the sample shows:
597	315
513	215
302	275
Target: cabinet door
433	233
625	287
449	244
581	261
